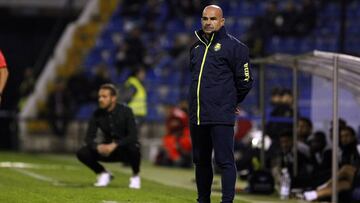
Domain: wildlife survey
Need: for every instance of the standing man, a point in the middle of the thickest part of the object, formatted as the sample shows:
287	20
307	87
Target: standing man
221	78
3	74
119	141
136	94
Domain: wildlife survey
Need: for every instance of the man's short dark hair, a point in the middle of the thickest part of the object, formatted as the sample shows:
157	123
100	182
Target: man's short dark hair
350	129
111	87
285	92
287	133
276	91
137	70
319	136
307	121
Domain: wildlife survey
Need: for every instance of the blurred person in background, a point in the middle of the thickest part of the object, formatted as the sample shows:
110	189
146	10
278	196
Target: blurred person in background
80	87
286	20
60	109
176	148
27	85
28	82
285	159
186	8
284	108
131	8
102	76
262	28
275	98
4	74
136	96
119	142
319	166
221	79
307	18
280	117
242	146
153	12
132	53
304	131
320	159
350	150
348	176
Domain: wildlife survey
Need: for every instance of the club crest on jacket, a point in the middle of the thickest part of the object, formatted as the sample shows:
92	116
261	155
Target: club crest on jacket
217	47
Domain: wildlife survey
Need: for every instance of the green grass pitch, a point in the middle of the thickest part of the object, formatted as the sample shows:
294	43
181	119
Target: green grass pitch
54	178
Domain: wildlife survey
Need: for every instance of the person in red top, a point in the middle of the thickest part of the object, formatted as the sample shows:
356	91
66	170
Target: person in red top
176	143
3	74
177	148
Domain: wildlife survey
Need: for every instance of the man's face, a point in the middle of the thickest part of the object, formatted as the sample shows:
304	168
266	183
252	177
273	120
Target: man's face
346	137
212	20
287	99
106	100
316	145
303	129
286	144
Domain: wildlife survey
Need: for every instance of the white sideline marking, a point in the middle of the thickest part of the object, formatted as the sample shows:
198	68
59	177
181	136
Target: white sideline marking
17	165
38	176
34	166
21	166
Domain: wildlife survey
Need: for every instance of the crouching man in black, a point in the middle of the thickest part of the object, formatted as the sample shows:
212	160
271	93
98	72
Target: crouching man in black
119	141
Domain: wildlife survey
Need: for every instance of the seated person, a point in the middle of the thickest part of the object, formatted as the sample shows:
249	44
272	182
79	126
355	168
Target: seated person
346	177
304	131
119	143
280	117
176	149
320	159
319	162
285	159
349	167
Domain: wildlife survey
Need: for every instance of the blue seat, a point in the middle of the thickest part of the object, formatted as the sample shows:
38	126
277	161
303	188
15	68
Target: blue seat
171	96
249	9
153	98
93	58
175	26
124	74
153	114
85	111
115	26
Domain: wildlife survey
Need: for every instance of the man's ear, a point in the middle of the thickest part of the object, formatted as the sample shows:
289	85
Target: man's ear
113	98
223	21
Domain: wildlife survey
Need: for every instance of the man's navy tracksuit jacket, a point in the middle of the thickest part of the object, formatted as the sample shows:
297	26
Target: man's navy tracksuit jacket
221	78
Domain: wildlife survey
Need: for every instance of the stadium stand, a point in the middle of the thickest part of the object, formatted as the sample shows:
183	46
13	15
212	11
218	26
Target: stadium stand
167	77
239	16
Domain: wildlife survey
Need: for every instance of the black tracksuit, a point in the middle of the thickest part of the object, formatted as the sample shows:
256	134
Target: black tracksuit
221	79
117	126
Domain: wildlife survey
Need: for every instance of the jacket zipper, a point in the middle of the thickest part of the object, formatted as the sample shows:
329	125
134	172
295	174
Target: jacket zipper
200	74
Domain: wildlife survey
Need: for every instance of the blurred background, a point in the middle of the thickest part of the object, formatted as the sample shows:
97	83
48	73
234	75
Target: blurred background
60	51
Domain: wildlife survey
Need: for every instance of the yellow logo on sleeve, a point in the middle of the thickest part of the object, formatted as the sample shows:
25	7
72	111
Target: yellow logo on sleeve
246	72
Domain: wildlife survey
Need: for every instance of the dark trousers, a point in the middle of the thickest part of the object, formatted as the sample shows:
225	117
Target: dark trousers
205	138
126	154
